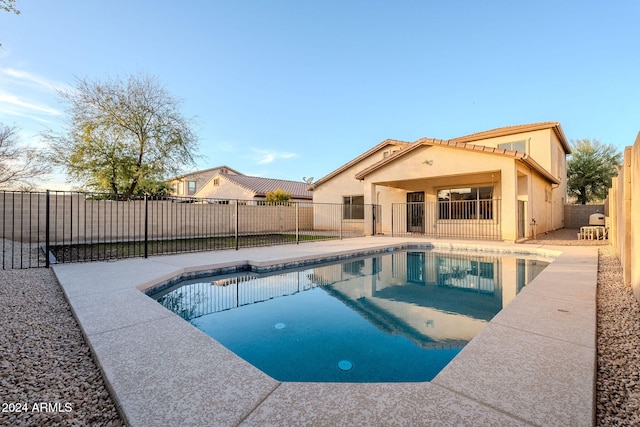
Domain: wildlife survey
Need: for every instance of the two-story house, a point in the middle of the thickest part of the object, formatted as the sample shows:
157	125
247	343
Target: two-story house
189	184
510	181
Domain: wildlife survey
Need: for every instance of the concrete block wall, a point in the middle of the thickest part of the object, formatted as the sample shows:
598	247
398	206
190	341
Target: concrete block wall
576	216
76	219
624	215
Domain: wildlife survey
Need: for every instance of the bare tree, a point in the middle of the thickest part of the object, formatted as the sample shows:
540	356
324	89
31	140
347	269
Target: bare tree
9	6
20	165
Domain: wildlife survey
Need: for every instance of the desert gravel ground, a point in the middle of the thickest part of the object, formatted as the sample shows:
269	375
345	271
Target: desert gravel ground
49	376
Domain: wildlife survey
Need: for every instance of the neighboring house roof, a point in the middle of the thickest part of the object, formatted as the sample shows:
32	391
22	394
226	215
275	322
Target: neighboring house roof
217	168
261	186
383	144
512	130
463	146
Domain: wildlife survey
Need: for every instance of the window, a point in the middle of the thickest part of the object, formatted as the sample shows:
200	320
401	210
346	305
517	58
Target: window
465	203
216	182
520	146
191	187
388	153
353	207
482	269
353	268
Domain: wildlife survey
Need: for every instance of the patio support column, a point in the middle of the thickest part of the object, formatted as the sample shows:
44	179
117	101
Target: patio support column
370	199
509	217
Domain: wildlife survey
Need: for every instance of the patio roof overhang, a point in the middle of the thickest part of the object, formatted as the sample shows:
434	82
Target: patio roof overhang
516	155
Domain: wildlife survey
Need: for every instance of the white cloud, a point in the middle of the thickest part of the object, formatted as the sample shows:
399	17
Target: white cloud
26	78
269	156
22	104
28	97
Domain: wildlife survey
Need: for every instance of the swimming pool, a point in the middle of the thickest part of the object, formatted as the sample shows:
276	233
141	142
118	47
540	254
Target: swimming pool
397	316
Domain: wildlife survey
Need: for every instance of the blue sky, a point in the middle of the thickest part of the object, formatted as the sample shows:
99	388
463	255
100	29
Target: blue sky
286	89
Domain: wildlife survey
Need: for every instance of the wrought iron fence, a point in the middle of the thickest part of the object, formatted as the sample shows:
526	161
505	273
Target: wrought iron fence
23	229
474	219
39	228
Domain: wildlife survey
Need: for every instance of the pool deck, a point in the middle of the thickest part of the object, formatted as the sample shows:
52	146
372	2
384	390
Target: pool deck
533	364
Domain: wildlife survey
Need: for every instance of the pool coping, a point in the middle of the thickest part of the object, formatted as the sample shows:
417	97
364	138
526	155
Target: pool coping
533	364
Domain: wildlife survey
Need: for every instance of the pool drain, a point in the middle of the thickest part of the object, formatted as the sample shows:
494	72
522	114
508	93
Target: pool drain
345	365
279	326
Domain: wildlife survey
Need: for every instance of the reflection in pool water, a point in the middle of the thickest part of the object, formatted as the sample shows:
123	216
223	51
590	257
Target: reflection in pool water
392	317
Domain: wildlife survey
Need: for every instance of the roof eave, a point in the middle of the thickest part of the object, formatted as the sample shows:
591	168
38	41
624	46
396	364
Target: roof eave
513	130
378	147
517	155
407	149
542	171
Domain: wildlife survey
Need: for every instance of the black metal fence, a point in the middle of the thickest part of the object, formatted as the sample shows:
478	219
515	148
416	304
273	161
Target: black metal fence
38	228
474	219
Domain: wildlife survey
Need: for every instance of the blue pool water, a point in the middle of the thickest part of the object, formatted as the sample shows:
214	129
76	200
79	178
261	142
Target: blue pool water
392	317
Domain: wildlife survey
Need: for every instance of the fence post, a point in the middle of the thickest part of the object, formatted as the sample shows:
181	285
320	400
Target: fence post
297	223
237	223
373	218
146	226
393	213
47	242
340	217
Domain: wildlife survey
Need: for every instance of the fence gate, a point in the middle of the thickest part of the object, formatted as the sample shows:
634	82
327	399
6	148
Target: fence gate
415	212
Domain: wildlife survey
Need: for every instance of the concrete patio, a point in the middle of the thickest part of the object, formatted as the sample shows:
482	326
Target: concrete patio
534	364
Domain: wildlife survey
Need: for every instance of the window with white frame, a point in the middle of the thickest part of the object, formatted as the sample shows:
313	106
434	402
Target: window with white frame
353	207
465	203
520	146
191	186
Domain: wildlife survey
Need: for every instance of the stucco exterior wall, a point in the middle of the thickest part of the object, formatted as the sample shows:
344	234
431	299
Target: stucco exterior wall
345	184
225	190
542	145
201	178
545	205
436	162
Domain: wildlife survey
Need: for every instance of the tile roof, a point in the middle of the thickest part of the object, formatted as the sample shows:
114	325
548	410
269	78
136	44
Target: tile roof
511	130
464	146
214	169
260	186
